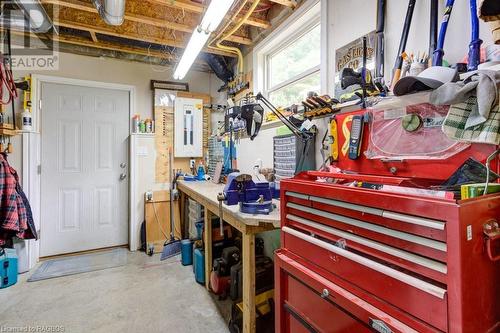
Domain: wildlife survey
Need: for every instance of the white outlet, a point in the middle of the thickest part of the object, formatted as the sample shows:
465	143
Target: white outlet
149	196
192	163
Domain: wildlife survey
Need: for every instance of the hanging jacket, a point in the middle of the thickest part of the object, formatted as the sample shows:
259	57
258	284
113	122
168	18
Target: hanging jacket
16	218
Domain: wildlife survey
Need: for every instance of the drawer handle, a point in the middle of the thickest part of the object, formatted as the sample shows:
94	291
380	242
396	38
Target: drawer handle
440	246
325	294
492	235
416	259
405	278
434	224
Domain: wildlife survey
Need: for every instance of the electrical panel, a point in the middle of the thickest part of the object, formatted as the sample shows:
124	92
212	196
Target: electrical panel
188	139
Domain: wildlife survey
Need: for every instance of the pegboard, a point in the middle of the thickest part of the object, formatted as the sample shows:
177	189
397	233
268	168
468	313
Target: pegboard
164	130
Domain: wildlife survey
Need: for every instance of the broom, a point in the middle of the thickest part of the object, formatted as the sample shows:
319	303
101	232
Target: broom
172	246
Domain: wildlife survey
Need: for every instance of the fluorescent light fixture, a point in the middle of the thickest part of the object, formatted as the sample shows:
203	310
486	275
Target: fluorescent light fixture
210	22
196	42
214	14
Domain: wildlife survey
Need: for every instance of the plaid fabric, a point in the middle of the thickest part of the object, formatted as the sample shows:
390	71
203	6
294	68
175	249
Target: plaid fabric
15	213
487	132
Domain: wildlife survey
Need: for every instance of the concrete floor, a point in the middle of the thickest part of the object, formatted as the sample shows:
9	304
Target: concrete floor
146	295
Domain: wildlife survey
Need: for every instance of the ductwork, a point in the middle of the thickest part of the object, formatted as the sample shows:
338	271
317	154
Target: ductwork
111	11
30	16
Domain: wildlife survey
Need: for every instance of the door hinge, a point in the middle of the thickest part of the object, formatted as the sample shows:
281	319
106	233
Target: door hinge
39	169
39	104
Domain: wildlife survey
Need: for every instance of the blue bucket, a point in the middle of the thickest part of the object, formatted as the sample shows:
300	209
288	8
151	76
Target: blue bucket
186	252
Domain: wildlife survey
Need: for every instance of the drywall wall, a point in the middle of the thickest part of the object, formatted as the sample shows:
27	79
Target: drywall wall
350	19
128	73
136	74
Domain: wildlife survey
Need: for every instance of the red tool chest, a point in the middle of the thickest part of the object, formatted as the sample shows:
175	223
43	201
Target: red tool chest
353	259
362	260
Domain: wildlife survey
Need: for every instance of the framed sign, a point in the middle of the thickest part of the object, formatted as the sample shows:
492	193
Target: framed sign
351	56
169	85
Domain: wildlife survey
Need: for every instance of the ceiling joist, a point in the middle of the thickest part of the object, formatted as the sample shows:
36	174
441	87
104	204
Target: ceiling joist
131	35
199	8
156	22
81	41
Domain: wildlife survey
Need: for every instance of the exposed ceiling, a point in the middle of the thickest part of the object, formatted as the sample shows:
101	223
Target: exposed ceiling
154	31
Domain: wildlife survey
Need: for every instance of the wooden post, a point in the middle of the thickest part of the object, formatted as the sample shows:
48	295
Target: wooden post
208	246
248	258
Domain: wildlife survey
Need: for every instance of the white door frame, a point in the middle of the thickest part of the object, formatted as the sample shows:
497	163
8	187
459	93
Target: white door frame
30	165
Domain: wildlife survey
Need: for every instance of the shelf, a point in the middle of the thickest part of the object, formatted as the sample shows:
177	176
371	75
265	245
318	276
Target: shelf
8	132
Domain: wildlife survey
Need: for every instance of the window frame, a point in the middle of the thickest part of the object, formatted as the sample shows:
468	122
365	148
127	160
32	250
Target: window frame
301	21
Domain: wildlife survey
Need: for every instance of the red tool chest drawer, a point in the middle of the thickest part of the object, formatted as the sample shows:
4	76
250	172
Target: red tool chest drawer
413	257
312	303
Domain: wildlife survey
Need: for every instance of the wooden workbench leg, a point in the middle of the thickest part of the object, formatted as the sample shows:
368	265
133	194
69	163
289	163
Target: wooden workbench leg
208	246
248	283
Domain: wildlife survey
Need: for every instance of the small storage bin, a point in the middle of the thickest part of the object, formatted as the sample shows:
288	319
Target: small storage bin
8	267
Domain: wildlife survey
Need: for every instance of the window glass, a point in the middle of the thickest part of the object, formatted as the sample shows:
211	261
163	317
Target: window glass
298	57
295	92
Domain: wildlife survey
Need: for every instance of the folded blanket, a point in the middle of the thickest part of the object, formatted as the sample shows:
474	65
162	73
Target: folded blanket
454	125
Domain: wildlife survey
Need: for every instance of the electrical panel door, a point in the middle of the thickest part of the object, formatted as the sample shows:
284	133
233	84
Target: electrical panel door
188	138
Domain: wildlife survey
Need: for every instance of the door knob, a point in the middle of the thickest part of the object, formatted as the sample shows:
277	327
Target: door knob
123	165
123	176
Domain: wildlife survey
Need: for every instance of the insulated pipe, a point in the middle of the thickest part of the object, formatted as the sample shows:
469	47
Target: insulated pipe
111	11
232	31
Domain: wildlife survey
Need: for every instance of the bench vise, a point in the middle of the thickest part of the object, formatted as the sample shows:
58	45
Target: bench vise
253	197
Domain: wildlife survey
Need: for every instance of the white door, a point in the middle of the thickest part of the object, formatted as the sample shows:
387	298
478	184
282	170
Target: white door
84	168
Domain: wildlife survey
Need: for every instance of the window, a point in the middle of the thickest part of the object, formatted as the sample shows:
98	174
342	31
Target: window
294	70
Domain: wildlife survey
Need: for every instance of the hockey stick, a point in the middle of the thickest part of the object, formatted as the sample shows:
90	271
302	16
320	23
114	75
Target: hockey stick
475	43
437	59
433	30
379	56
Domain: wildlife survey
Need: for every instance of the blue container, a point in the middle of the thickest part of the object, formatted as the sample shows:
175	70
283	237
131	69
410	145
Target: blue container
199	228
186	252
199	266
8	267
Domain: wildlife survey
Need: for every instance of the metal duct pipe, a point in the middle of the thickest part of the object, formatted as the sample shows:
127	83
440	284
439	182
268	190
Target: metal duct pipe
30	17
111	11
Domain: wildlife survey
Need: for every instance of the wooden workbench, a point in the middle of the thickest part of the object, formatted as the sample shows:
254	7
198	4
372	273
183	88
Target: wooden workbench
205	193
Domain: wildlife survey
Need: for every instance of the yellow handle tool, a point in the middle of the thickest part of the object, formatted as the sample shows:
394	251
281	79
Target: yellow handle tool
334	148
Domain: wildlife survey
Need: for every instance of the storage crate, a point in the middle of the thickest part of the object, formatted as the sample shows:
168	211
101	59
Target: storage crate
287	155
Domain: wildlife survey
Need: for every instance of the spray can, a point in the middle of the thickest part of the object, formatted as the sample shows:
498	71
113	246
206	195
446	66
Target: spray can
27	120
135	123
142	127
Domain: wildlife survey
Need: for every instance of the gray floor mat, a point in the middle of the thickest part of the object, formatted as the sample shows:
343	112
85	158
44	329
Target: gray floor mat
80	264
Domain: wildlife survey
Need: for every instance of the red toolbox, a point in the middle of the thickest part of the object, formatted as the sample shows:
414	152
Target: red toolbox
363	260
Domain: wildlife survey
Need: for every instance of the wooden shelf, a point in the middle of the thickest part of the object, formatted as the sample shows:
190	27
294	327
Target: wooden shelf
8	131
